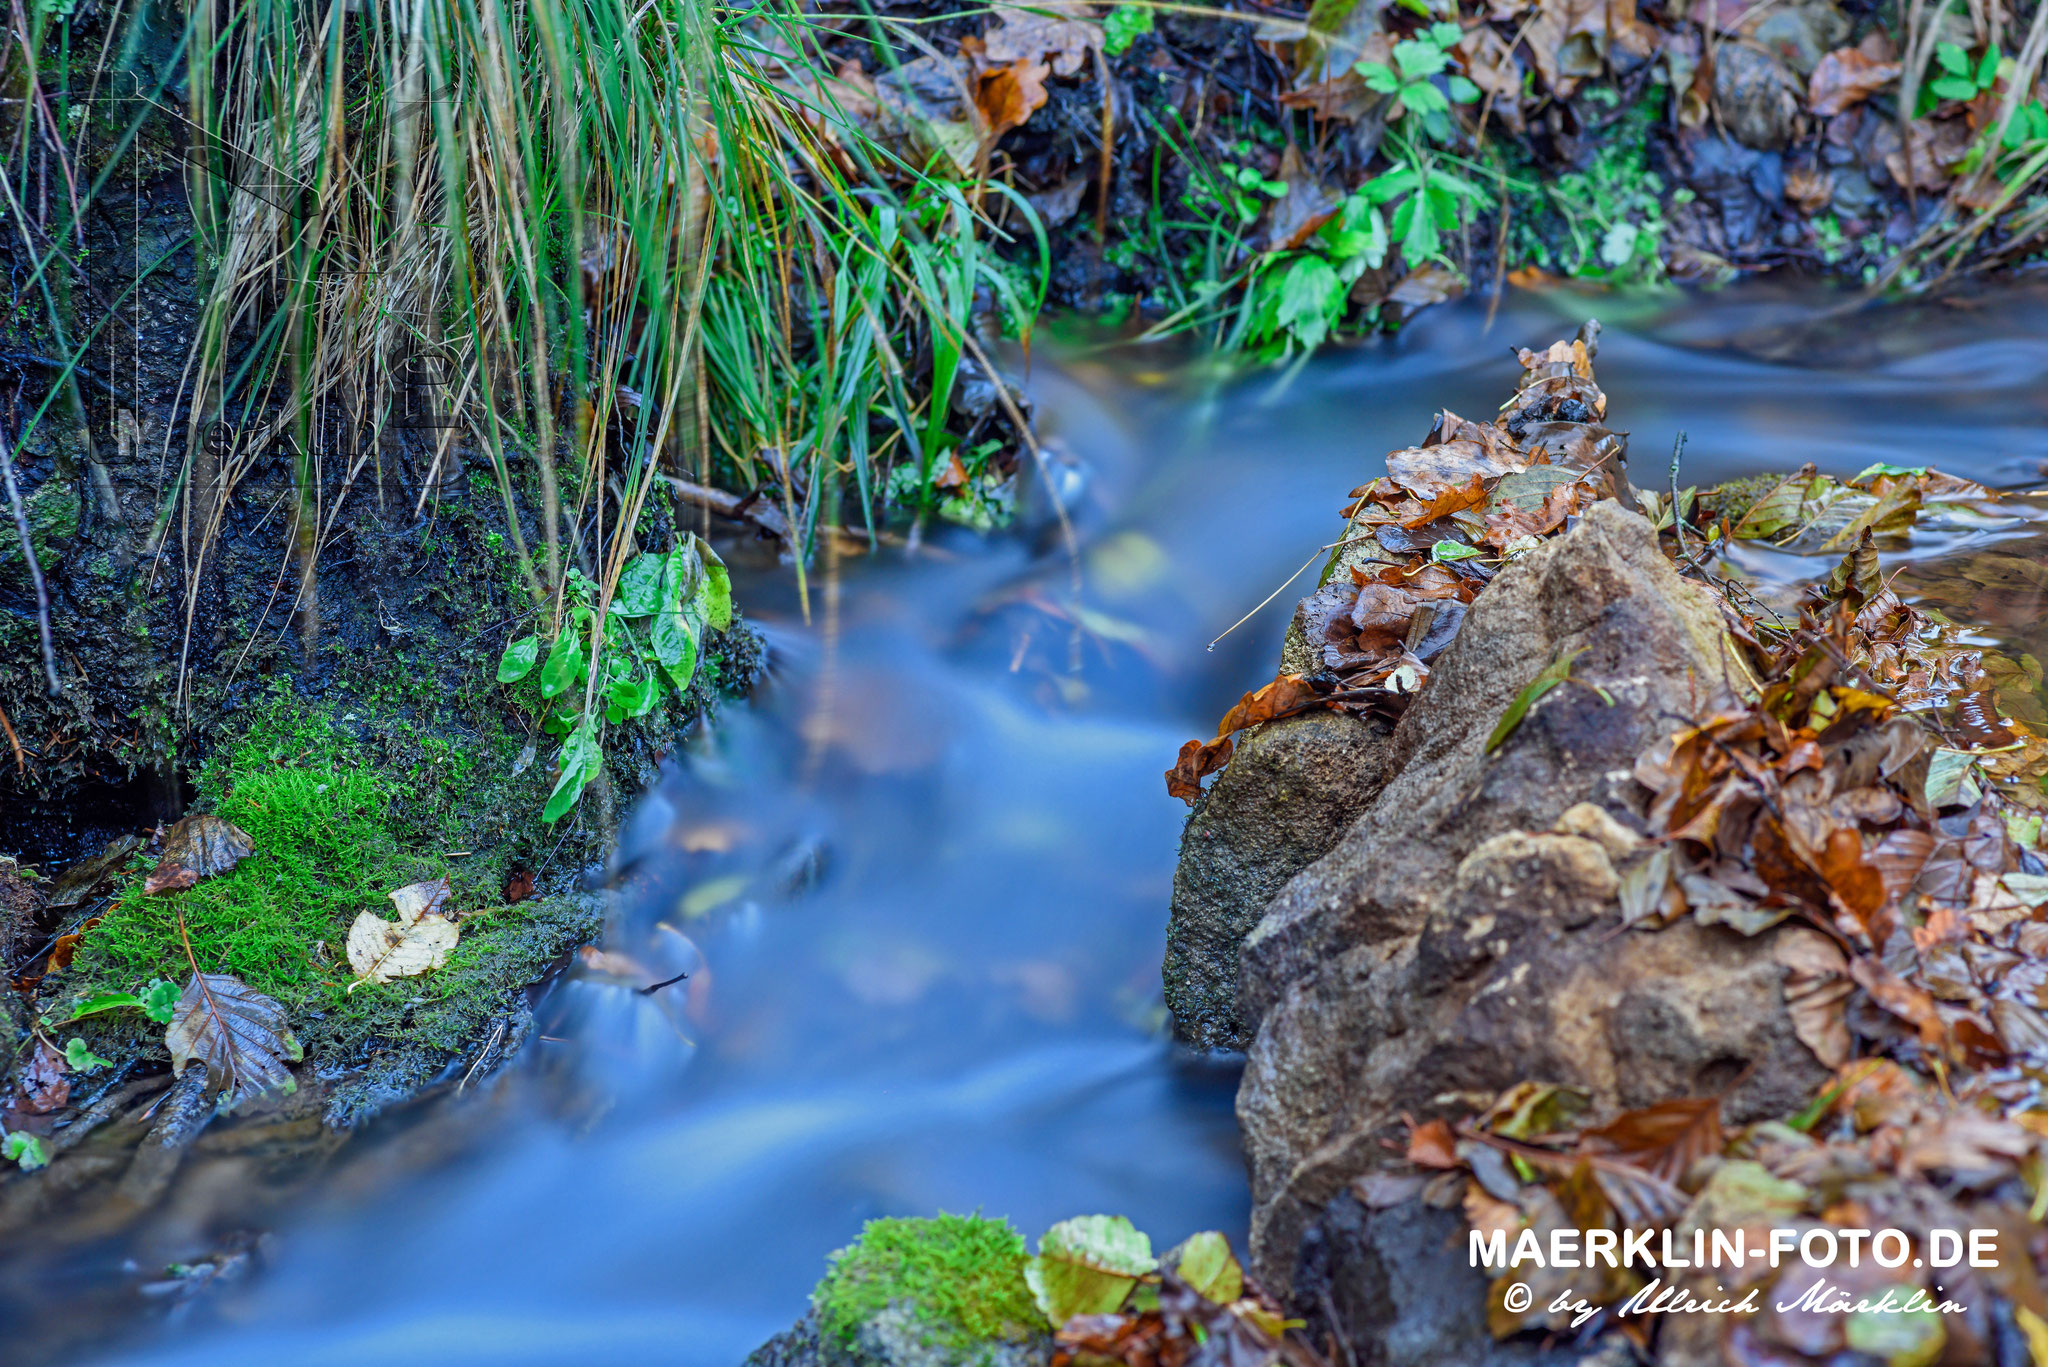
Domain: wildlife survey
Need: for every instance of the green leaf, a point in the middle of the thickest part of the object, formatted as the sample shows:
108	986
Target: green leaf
633	697
1987	68
580	761
81	1059
1423	98
680	573
1121	27
1618	246
104	1001
1392	184
1087	1266
1897	1338
1379	76
160	1001
1548	678
1952	58
1949	779
711	604
1443	205
1417	231
1452	549
517	661
675	646
1463	91
1445	34
1954	88
639	593
1306	294
1204	1261
25	1149
1418	60
565	664
1883	468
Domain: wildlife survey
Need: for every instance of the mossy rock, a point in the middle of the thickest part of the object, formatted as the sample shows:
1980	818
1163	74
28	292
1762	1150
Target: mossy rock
942	1292
342	811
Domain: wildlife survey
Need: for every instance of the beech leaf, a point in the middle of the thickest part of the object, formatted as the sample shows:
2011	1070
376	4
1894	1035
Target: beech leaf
1087	1266
198	847
237	1032
1204	1261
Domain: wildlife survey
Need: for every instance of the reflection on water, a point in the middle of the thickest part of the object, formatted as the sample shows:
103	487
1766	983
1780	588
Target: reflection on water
919	883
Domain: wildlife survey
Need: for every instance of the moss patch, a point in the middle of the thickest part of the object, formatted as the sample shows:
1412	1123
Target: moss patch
961	1276
342	810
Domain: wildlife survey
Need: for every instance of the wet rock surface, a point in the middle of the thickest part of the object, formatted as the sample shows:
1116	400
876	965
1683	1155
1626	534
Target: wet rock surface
1289	794
1464	934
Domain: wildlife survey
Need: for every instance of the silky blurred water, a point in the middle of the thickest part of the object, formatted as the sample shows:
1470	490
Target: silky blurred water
920	879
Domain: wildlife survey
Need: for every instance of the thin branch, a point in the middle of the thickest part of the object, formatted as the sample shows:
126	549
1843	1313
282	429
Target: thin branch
35	566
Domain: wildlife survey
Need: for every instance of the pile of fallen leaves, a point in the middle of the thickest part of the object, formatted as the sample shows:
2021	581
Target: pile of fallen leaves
1911	837
1884	785
1421	542
1111	1301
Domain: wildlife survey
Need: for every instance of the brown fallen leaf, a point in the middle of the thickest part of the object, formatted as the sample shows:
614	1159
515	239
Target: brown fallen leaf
1507	523
73	885
1817	992
66	946
1449	501
1055	31
44	1086
1930	150
1305	207
1427	471
240	1035
1432	1145
417	942
519	886
199	846
1664	1140
1846	78
1009	95
1915	1005
1855	884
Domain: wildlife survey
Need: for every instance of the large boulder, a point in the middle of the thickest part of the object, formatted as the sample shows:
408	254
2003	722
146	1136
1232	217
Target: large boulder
1464	934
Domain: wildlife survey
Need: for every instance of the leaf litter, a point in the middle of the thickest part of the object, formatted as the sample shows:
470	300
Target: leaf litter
1885	783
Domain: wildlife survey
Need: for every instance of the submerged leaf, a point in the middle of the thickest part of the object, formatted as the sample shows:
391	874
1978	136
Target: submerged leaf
237	1032
1087	1266
198	847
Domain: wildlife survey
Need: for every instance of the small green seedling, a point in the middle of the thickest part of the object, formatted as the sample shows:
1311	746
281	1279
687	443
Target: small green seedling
1409	78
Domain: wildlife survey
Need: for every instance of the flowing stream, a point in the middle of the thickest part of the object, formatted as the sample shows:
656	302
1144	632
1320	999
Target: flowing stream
920	880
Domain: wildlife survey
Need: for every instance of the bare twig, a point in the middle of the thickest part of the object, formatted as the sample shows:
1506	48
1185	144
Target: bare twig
35	570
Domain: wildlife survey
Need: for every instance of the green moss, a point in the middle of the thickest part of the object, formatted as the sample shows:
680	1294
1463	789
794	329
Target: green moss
342	809
278	919
961	1276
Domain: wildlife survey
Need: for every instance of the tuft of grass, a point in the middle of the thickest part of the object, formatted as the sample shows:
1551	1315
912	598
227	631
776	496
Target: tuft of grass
961	1276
